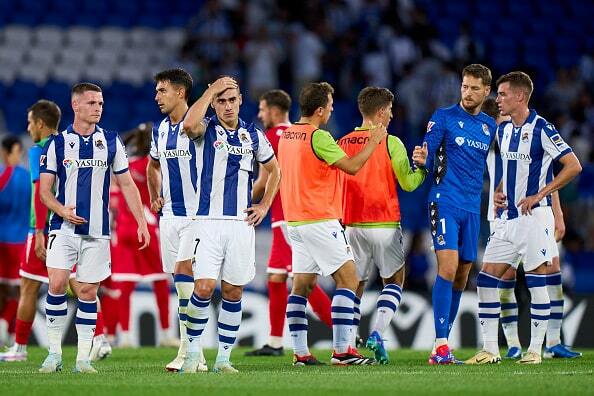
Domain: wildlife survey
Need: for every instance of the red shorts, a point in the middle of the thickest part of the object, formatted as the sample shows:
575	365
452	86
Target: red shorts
31	266
10	257
128	264
280	261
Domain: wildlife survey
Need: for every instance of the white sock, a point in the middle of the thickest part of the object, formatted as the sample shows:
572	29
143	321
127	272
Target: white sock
509	312
297	320
229	322
184	285
555	290
275	342
86	320
540	309
387	305
489	310
343	303
197	318
56	309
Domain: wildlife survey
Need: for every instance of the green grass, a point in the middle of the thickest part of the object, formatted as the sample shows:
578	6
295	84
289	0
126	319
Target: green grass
141	371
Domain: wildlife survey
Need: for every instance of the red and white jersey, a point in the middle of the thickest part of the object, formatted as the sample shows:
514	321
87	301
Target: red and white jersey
276	209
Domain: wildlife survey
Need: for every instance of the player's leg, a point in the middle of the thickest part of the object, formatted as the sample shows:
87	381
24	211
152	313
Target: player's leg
279	266
444	231
363	253
93	266
161	291
24	321
509	313
101	348
62	253
125	289
388	254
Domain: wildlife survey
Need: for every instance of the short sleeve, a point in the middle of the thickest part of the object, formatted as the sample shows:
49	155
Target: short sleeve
265	151
154	153
34	165
120	160
47	160
325	147
553	143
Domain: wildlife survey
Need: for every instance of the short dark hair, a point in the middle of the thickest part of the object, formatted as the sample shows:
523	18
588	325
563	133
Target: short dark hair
372	99
478	71
490	108
83	87
518	79
8	143
178	77
46	111
277	98
314	96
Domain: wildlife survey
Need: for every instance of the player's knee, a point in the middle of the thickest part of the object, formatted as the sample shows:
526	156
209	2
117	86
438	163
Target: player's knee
203	290
87	291
555	266
277	278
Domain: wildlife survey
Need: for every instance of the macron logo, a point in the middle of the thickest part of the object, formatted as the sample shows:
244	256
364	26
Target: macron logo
461	124
544	252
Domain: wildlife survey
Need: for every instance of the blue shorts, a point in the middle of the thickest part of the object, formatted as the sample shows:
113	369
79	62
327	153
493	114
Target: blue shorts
455	229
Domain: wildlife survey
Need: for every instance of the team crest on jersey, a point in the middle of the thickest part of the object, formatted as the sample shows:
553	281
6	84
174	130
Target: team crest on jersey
440	240
525	137
486	130
430	125
99	144
244	137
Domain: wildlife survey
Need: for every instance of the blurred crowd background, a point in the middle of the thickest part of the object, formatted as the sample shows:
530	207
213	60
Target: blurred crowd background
415	48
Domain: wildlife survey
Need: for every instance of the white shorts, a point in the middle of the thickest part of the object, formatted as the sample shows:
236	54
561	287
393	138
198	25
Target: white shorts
319	248
178	241
226	248
382	246
529	240
91	256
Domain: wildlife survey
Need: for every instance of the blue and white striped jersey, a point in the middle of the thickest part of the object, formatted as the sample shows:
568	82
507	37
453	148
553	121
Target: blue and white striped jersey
495	170
177	155
225	168
527	154
82	166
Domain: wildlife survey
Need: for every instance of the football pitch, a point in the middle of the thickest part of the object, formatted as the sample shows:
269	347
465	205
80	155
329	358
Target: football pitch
141	371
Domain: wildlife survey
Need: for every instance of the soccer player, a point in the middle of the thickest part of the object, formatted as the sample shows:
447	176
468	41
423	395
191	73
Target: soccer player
457	142
172	183
507	283
525	230
43	118
77	164
371	212
14	185
311	191
274	113
225	243
128	265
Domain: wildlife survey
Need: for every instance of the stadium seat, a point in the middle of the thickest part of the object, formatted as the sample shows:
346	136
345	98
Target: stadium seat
34	72
172	38
17	36
141	36
74	56
41	56
66	72
132	73
57	91
49	37
80	37
112	37
98	73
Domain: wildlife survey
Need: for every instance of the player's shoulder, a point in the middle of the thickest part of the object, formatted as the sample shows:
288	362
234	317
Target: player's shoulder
487	119
541	123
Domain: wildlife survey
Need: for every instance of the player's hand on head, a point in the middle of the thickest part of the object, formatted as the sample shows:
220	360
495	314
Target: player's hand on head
378	133
144	238
255	214
222	84
68	213
419	156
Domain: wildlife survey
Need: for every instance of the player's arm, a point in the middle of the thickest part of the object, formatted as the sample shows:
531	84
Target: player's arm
41	213
558	215
554	145
194	125
433	139
153	177
260	184
257	212
408	178
132	198
329	150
